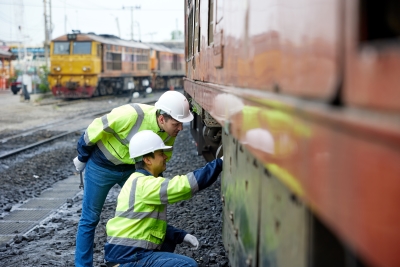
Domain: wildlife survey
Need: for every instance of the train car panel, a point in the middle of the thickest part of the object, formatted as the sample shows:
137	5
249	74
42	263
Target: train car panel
284	224
168	66
241	219
268	225
267	52
323	156
373	53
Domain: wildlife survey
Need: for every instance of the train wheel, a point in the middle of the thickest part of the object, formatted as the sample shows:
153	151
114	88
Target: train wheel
102	89
160	83
110	90
96	92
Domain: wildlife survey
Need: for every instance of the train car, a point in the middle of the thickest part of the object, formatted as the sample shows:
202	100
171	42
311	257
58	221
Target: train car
86	65
168	66
304	97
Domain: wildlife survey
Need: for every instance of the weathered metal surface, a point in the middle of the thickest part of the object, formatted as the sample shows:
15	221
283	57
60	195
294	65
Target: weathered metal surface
241	190
272	45
372	64
284	228
342	163
12	228
273	90
28	215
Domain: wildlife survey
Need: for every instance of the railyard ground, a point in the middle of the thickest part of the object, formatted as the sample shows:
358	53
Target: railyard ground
52	243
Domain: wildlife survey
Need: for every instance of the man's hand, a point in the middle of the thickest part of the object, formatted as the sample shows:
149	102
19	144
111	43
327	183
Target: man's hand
191	240
79	166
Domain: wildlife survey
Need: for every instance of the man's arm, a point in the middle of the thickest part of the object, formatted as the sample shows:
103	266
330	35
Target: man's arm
175	235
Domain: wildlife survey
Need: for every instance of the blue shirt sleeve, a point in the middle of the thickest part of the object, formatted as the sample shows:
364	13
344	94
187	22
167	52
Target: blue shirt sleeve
175	235
84	151
207	175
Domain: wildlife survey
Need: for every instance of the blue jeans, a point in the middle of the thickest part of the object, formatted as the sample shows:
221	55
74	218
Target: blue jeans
164	259
98	182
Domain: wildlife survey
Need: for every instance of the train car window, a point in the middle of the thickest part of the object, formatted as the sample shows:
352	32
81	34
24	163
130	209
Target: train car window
142	66
61	48
197	28
190	25
82	48
113	61
379	20
210	22
117	64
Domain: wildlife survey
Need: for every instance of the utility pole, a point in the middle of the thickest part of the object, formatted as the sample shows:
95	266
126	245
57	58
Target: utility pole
51	22
132	8
65	17
119	31
46	34
140	36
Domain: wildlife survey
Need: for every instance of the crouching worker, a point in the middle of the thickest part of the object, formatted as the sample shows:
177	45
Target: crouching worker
139	235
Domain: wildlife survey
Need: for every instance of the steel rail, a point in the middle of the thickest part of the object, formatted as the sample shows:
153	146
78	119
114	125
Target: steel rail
32	130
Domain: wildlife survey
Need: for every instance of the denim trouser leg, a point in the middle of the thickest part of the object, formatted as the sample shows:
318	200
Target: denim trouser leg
164	259
98	182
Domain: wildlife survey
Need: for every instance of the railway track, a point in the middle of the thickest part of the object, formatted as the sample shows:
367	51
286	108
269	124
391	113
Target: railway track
48	132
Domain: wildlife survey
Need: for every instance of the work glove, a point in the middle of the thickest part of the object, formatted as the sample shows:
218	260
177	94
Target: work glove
191	240
79	165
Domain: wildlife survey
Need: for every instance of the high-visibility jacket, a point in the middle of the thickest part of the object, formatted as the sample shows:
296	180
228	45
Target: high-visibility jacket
140	221
106	140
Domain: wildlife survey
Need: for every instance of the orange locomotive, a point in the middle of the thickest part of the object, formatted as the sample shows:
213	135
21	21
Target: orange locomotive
304	96
86	65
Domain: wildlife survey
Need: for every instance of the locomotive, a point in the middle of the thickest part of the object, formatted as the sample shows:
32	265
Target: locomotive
87	65
304	98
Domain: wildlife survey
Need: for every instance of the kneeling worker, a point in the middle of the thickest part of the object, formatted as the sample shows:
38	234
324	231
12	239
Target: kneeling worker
139	235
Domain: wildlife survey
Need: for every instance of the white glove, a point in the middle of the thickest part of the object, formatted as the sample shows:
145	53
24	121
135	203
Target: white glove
191	240
222	157
79	165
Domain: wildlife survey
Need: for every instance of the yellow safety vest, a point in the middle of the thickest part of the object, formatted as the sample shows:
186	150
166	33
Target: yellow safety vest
141	214
113	131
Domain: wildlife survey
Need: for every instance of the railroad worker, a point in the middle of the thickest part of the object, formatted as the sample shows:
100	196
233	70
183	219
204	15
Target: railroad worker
103	151
139	235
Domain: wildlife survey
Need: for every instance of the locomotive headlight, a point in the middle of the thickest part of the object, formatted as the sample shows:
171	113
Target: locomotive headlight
86	69
57	68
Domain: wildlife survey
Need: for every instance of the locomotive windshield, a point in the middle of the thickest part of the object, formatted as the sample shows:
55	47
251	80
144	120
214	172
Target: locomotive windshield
82	48
61	48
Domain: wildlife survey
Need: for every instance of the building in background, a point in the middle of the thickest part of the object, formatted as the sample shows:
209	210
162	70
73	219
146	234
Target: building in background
6	71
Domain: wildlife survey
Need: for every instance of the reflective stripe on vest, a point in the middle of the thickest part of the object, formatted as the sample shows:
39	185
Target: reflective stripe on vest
193	182
123	141
132	242
131	214
108	155
138	123
132	132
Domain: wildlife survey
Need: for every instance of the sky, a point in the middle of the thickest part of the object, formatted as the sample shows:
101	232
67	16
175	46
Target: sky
154	20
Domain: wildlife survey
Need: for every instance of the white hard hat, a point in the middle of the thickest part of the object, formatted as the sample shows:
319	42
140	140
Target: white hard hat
176	105
145	142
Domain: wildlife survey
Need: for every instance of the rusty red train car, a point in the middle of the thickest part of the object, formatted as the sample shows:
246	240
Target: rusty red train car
305	98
